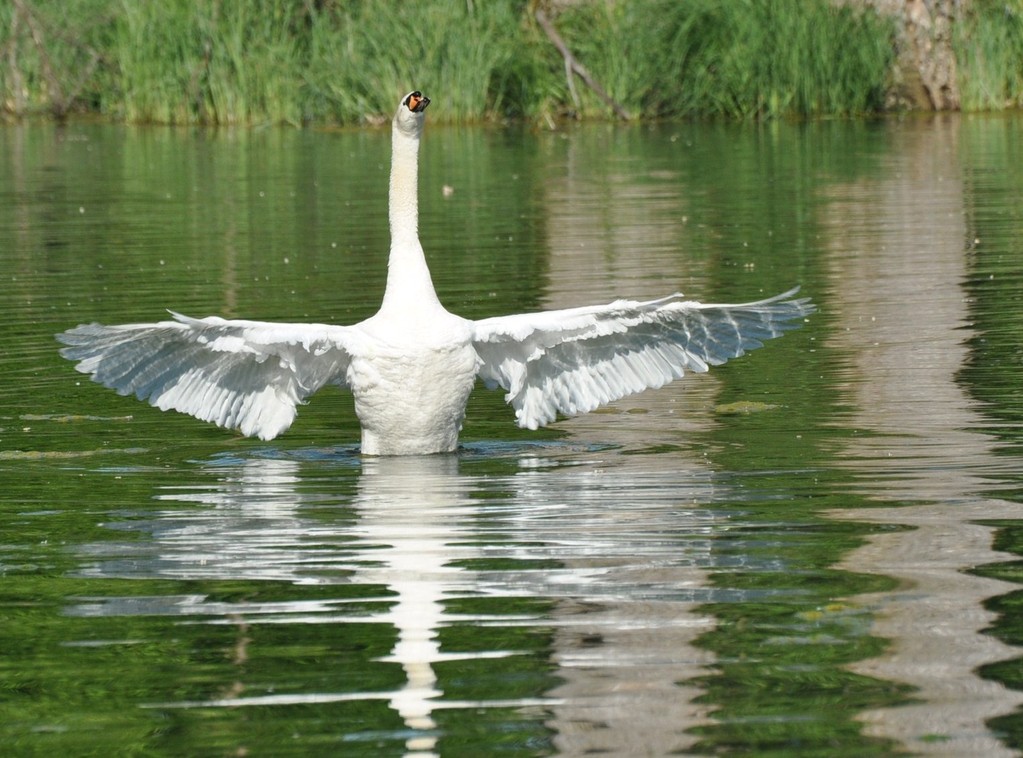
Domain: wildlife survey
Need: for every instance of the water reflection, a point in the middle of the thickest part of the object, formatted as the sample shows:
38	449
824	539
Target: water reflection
414	564
903	320
617	554
614	229
405	528
625	638
552	596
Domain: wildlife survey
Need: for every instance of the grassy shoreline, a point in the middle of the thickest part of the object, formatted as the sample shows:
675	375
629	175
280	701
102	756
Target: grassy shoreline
331	62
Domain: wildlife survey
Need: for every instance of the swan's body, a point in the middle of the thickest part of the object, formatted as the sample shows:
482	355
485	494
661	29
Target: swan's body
412	365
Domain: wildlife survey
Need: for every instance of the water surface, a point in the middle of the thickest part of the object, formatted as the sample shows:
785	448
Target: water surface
813	549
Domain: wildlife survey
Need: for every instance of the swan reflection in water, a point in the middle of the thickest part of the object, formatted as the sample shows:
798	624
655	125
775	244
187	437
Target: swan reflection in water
618	595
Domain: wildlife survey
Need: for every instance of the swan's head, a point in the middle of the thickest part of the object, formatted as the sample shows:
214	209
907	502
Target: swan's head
411	112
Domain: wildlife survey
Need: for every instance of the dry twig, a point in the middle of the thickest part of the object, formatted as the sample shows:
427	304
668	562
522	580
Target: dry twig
572	65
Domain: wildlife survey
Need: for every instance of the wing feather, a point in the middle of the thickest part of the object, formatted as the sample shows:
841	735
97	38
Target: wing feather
573	361
244	375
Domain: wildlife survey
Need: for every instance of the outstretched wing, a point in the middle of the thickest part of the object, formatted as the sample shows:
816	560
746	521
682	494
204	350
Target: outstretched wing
244	375
573	361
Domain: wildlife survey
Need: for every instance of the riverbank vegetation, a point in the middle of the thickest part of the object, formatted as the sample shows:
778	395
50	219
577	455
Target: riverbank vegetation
338	62
989	45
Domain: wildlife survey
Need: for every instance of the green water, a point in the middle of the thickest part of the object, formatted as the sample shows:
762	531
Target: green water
770	559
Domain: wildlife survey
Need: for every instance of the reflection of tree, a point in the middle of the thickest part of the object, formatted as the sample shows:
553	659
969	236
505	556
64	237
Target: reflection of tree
640	224
903	320
628	662
633	557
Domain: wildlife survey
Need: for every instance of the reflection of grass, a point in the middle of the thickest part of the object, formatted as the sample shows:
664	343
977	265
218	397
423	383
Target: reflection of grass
743	407
40	455
783	642
1008	627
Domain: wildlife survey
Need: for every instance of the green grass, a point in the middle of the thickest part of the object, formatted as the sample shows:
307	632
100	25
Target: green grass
363	57
289	62
742	58
989	53
210	62
341	61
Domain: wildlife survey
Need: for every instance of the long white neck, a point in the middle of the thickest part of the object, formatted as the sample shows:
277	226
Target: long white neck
408	278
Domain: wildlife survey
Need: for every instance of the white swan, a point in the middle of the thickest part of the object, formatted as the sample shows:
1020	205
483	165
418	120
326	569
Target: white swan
412	365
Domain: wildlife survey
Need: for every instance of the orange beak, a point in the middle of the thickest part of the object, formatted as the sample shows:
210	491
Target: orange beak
417	102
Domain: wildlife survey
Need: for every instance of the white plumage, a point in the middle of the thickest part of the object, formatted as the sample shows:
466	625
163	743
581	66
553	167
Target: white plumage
412	365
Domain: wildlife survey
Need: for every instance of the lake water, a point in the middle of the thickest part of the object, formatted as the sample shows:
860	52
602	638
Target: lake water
814	549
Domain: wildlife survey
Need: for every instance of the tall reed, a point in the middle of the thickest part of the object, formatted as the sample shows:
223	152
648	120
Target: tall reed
742	58
346	61
44	65
363	54
282	61
181	61
989	54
